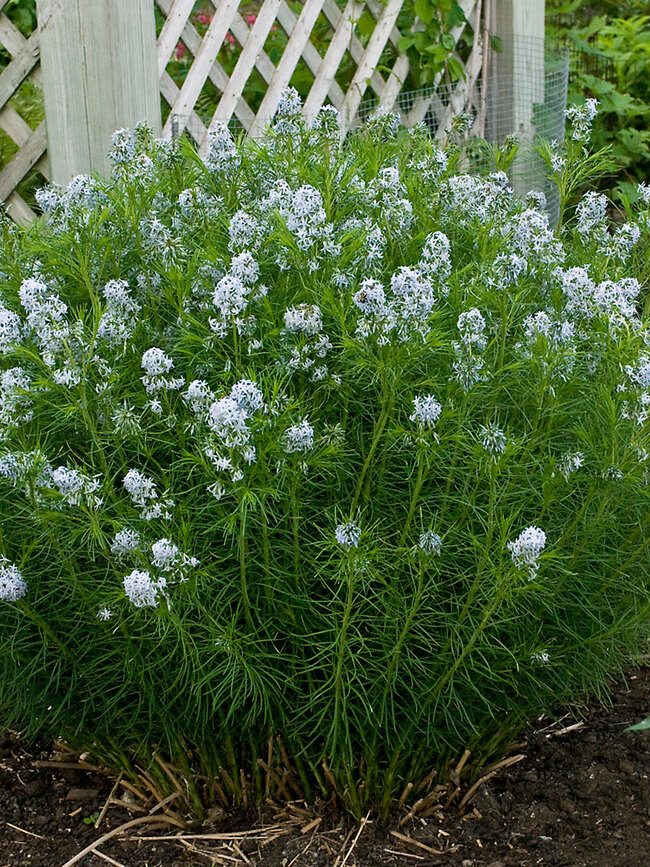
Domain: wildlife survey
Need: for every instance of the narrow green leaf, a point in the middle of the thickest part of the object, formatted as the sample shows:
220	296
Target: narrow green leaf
640	726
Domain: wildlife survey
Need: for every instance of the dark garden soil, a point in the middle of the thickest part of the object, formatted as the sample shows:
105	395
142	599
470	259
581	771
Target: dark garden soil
579	797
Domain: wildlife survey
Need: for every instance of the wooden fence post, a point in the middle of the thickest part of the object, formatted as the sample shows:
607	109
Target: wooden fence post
518	67
99	74
516	81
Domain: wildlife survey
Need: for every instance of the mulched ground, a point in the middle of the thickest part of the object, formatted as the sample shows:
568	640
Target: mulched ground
580	797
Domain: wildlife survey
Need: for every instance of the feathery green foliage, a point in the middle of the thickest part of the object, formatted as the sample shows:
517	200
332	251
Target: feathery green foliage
347	450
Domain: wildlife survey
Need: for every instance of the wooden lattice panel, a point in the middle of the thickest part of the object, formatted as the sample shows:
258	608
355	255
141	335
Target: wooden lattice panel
252	36
32	143
230	94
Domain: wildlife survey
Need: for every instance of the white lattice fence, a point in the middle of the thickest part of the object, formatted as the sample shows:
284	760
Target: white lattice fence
346	45
207	82
32	143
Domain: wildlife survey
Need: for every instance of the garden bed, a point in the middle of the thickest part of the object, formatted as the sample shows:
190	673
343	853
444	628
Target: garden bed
580	796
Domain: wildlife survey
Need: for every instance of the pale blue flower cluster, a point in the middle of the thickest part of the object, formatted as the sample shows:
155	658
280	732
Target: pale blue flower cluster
348	535
12	585
526	549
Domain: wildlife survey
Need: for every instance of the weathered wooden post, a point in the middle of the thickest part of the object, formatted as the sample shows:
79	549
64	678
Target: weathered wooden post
99	74
516	80
518	68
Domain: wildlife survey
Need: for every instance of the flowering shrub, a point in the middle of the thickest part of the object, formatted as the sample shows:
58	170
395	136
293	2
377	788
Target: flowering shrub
318	453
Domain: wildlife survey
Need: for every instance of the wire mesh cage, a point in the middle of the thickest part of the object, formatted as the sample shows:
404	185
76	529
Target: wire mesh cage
530	100
524	93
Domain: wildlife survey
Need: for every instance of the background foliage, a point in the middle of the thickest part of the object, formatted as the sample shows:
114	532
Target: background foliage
612	64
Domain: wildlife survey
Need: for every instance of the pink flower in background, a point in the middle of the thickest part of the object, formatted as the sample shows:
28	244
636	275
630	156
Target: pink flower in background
202	18
181	51
251	19
229	40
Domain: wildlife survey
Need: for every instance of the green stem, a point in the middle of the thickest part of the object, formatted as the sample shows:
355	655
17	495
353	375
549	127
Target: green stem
397	652
87	417
257	776
442	682
342	649
454	461
266	550
467	649
235	339
295	526
353	794
613	632
646	308
73	569
379	430
266	559
243	577
579	515
632	558
234	770
486	553
417	490
302	773
594	522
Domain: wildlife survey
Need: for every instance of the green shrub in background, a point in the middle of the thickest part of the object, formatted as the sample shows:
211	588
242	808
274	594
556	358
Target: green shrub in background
617	37
322	442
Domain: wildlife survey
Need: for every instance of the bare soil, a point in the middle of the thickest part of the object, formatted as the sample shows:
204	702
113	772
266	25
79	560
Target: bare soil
579	797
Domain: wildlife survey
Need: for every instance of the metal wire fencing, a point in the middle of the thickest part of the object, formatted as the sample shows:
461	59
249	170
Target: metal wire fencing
524	93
